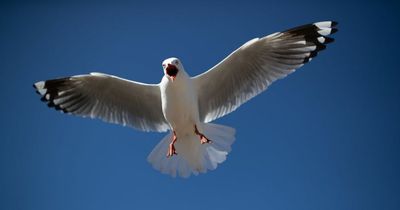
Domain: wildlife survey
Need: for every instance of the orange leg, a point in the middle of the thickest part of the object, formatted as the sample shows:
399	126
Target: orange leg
171	149
203	138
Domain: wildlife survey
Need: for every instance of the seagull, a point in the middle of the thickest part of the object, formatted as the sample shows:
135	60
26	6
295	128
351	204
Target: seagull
185	105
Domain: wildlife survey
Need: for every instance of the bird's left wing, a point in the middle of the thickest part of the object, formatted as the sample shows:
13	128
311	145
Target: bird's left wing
106	97
250	69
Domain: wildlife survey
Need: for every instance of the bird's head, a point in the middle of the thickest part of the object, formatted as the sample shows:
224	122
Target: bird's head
172	67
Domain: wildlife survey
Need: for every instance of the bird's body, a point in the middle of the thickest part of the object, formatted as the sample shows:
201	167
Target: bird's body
180	108
179	103
186	105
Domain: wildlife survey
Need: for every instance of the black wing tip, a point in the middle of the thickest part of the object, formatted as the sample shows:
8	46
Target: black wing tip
310	57
51	104
320	47
328	40
311	30
315	34
49	91
313	54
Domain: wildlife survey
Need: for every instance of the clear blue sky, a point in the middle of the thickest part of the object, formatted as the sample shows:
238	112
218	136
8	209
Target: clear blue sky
326	137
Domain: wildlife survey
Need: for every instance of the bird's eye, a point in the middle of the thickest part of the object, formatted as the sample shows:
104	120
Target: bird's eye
163	65
176	62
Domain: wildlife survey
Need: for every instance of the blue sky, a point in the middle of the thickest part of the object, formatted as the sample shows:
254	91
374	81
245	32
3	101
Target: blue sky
326	137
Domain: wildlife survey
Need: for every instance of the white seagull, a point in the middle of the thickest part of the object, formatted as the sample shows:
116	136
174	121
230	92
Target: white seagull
186	105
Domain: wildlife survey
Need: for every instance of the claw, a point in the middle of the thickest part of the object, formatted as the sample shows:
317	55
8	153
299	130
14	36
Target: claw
203	138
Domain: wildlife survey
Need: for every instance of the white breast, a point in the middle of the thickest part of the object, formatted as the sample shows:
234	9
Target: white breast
179	103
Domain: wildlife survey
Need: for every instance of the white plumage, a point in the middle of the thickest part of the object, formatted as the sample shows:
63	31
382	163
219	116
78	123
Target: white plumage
185	105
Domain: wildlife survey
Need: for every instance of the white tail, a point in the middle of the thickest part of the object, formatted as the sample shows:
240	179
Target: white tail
194	157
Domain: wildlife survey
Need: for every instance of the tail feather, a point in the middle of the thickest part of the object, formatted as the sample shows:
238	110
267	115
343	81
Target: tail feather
193	157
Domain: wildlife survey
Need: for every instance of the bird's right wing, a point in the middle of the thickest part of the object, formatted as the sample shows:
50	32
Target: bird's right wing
106	97
250	69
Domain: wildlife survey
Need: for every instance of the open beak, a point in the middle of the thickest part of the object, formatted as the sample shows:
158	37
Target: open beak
172	71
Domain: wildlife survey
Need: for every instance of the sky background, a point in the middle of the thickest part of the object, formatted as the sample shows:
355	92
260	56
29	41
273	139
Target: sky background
326	137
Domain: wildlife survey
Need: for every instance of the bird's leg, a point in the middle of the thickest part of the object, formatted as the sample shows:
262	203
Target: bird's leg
203	138
171	149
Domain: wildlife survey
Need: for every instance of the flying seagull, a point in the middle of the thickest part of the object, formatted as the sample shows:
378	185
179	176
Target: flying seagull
186	105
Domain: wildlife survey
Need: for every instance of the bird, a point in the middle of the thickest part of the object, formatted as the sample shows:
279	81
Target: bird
185	106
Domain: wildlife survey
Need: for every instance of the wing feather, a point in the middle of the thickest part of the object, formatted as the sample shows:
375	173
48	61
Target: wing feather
106	97
250	69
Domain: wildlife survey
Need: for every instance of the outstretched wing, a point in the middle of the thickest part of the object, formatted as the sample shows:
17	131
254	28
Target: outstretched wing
106	97
250	69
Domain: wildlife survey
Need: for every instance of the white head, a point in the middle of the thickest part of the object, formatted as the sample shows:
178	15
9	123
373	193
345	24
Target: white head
172	68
